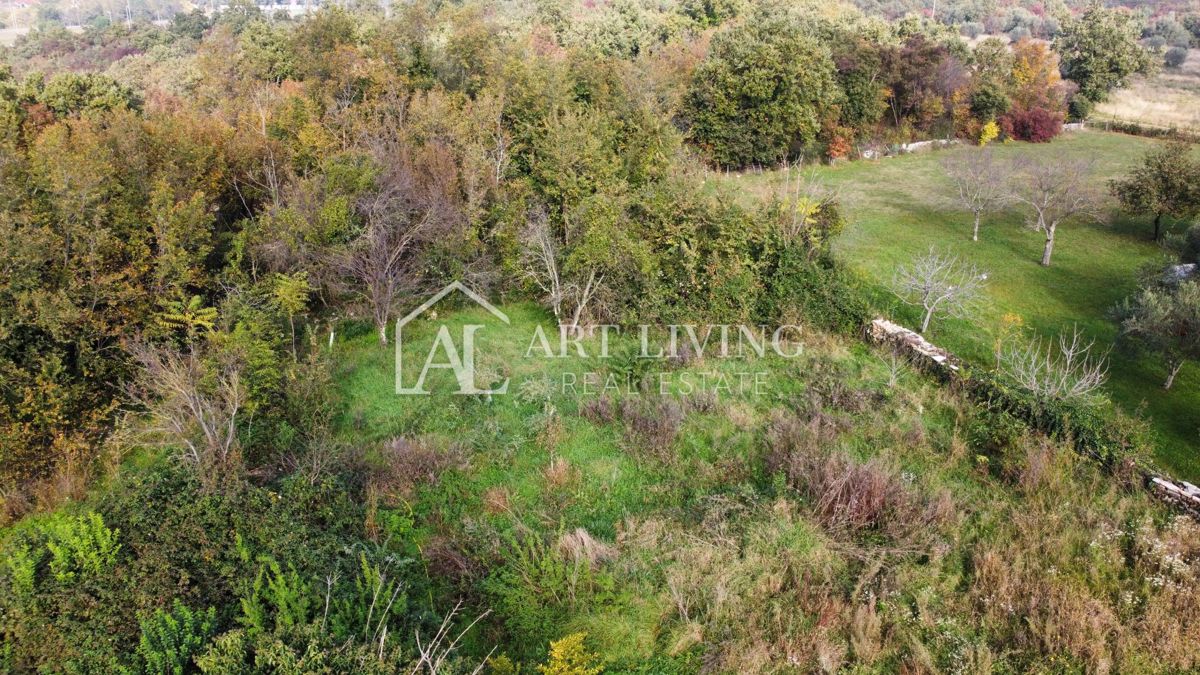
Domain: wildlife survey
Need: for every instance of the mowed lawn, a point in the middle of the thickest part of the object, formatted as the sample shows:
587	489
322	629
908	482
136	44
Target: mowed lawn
898	208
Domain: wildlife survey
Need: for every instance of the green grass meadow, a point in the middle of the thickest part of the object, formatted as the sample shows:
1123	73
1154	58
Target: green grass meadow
899	207
538	463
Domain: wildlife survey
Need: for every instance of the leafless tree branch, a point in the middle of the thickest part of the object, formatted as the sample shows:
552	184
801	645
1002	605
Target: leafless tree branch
1068	368
938	284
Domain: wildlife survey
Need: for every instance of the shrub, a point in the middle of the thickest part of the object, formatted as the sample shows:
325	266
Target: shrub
1036	125
1097	429
1080	107
406	464
538	587
569	656
1019	33
1175	57
81	546
171	639
846	494
762	90
989	101
22	562
652	425
1190	245
1154	43
988	133
820	292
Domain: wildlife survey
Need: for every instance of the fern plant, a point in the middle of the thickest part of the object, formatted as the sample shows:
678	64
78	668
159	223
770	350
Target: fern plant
191	317
171	639
282	596
81	546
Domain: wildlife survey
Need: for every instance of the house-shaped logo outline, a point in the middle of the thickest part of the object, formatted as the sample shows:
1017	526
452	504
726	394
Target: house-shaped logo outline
433	300
437	297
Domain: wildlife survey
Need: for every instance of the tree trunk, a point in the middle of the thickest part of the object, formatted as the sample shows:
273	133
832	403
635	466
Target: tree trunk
925	321
1172	371
1157	222
975	234
292	325
382	325
1049	246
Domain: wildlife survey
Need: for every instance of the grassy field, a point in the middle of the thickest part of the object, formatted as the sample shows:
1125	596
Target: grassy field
1169	98
899	207
715	538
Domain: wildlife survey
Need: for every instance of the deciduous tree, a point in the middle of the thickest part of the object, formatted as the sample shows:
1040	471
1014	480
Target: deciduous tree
1099	50
415	202
1058	191
763	89
1166	183
979	182
938	284
1068	368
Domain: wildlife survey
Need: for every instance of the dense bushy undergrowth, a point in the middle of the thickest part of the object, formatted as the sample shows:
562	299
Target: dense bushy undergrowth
197	238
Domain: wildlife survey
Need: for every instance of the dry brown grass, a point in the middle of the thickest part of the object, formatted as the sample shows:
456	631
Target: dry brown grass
1170	98
580	547
559	474
404	464
1055	580
758	602
847	495
496	500
651	426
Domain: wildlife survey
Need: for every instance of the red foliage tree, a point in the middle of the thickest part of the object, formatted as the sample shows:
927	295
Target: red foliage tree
1037	124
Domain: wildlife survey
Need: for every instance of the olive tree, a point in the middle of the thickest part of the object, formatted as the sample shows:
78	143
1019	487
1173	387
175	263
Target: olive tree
1166	321
938	284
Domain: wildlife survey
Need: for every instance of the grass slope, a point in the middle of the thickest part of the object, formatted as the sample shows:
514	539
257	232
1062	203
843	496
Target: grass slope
721	549
899	207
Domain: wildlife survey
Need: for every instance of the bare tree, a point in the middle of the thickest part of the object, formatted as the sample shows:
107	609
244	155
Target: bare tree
1057	191
435	655
192	404
894	364
1066	369
416	202
938	283
542	257
979	182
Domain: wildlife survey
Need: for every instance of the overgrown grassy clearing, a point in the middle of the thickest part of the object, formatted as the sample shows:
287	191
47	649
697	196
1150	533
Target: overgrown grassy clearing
701	553
898	208
1169	98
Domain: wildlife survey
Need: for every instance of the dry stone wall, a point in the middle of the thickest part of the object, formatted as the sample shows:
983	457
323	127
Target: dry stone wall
930	357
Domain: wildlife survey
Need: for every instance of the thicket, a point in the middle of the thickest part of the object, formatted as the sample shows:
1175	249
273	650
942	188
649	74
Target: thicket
191	215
